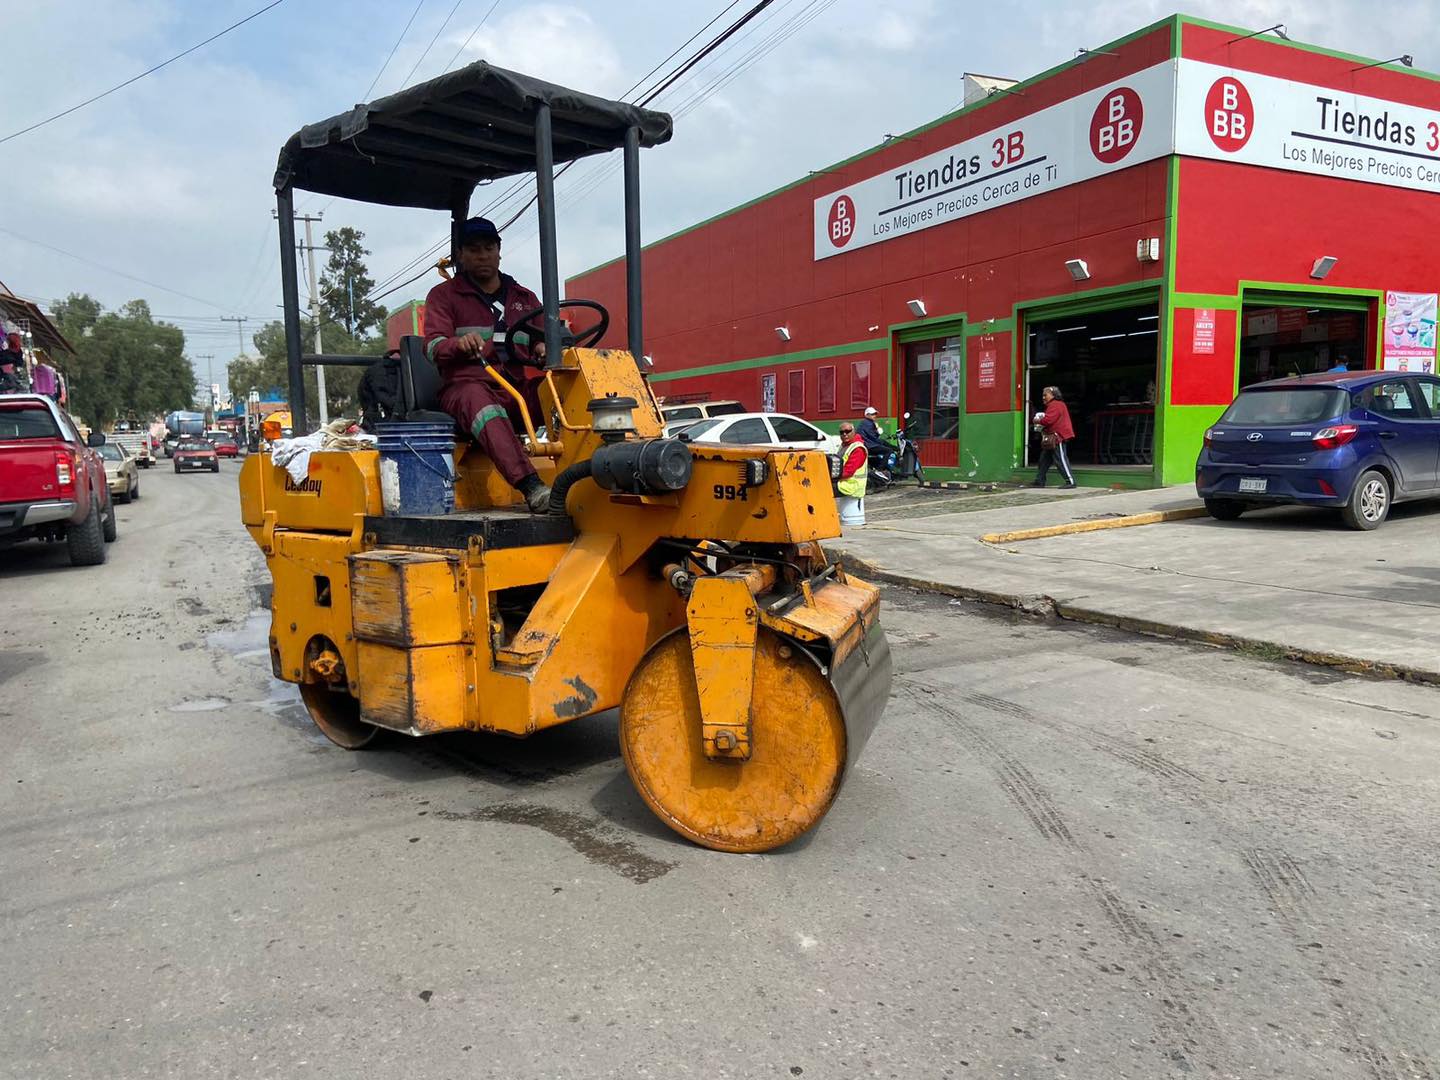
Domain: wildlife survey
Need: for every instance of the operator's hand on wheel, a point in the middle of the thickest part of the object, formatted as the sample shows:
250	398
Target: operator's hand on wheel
538	350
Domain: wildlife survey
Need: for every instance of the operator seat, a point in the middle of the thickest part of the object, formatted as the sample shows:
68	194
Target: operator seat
420	387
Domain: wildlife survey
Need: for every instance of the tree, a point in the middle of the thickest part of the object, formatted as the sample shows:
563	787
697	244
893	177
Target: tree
346	284
125	361
269	372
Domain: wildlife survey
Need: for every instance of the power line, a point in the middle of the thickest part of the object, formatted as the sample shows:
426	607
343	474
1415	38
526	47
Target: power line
716	43
416	66
112	270
655	92
787	28
366	96
148	71
466	44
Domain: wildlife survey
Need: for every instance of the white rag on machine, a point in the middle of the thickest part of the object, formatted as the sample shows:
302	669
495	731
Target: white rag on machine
294	454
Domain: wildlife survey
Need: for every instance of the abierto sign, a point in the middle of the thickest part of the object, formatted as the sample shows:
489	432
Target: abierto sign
1240	116
1120	125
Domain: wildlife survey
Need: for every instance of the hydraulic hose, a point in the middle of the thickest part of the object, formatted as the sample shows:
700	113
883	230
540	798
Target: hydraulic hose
567	479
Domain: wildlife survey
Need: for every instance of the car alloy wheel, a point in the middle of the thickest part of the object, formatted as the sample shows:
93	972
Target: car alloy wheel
1373	499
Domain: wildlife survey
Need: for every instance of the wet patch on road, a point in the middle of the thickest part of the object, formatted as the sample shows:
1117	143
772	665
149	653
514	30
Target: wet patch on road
246	641
586	835
12	663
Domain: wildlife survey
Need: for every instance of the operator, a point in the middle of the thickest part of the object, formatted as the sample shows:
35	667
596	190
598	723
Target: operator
462	316
871	435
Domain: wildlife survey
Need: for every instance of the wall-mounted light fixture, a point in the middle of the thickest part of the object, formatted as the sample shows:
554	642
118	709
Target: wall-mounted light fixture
1323	266
917	308
783	333
1079	269
1407	60
1279	29
1147	250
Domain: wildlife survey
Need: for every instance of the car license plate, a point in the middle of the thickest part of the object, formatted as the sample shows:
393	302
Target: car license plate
1253	484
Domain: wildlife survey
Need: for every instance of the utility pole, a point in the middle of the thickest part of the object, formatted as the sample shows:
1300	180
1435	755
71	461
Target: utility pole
309	248
239	321
209	388
315	315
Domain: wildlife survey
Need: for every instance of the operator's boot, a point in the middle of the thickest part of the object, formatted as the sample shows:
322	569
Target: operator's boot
537	494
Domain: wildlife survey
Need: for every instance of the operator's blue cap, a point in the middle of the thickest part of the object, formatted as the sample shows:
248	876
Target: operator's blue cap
478	229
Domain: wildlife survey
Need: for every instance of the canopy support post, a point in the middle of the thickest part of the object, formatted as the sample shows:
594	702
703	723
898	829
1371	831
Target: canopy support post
290	294
632	247
549	268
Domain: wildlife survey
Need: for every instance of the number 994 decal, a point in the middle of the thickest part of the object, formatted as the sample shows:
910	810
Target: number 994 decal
730	492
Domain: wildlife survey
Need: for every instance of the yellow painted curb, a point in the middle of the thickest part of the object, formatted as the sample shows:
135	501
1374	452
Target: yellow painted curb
1154	517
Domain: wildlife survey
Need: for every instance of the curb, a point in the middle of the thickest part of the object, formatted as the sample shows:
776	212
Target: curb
1042	606
1154	517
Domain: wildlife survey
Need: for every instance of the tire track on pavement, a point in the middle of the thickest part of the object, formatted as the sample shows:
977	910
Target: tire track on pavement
1292	898
1140	757
1277	875
1186	1032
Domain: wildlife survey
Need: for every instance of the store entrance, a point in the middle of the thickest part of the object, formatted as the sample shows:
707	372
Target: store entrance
1302	338
1104	364
932	398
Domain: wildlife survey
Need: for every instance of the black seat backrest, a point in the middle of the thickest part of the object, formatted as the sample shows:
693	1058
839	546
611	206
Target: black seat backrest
419	378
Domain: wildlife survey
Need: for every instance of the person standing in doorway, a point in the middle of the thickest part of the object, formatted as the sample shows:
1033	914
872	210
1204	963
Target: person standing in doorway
1055	431
854	471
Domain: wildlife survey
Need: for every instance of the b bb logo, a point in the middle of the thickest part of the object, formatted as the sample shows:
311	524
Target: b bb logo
1229	114
1115	127
841	226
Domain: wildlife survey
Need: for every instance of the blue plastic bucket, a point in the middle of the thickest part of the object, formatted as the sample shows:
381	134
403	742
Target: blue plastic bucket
417	468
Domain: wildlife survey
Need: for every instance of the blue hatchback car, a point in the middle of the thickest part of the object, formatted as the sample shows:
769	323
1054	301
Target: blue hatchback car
1357	441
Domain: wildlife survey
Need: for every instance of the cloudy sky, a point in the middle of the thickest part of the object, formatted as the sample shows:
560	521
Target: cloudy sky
168	180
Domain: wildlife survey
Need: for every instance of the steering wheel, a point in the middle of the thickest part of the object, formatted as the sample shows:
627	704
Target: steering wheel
536	331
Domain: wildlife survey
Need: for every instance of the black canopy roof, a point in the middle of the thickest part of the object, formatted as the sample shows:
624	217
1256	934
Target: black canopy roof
429	146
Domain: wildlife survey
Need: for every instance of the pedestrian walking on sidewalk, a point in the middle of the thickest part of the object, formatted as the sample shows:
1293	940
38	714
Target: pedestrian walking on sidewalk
1055	431
854	471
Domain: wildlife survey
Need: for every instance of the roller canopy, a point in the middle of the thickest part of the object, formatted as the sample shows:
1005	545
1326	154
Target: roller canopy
430	145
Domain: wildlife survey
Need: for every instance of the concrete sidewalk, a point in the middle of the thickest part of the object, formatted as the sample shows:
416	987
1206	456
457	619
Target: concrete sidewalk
1288	581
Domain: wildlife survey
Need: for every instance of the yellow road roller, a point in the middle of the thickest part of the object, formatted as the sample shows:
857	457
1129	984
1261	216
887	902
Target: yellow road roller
685	585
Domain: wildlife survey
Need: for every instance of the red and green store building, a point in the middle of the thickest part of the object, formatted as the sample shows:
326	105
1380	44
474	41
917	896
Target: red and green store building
1150	226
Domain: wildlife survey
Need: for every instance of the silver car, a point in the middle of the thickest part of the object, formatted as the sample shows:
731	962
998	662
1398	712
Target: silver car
121	472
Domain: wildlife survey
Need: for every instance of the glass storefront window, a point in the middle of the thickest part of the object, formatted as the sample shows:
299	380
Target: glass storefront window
1279	341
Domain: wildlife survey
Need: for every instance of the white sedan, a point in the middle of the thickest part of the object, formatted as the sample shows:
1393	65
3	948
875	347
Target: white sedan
761	429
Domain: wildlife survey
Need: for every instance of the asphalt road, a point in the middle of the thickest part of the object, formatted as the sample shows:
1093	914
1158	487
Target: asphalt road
1065	853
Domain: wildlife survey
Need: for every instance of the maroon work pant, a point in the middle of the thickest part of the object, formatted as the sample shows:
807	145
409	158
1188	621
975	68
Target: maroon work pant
492	416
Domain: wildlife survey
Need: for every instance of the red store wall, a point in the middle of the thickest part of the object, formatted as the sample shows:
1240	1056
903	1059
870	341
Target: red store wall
715	294
1245	223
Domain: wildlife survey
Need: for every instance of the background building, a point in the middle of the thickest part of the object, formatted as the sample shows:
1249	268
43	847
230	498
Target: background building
1149	226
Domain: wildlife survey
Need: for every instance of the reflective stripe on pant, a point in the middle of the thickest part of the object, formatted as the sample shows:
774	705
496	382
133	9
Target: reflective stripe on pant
1057	456
1062	455
490	415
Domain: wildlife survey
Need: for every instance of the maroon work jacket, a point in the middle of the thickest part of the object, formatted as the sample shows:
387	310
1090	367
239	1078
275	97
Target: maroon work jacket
457	304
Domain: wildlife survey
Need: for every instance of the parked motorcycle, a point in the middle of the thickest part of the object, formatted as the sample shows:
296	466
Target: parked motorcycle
899	460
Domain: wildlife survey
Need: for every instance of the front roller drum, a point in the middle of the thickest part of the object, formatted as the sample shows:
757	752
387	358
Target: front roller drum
337	715
808	726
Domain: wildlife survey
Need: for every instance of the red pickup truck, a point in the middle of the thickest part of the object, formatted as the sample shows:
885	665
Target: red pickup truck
52	485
